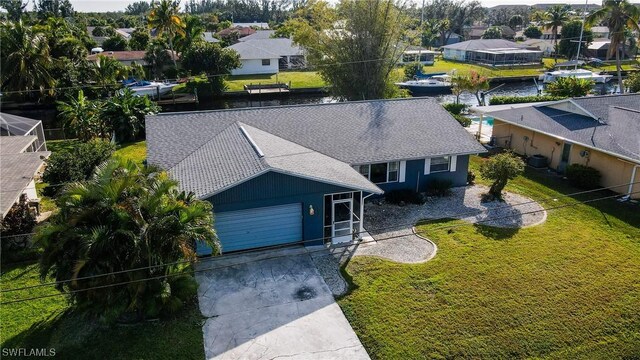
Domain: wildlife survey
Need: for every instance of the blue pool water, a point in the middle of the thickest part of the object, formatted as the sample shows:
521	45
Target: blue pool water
487	120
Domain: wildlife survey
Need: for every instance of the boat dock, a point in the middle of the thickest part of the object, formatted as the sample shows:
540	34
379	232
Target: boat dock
257	89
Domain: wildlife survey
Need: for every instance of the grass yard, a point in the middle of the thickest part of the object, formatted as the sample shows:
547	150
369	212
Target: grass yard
298	79
136	151
49	323
566	289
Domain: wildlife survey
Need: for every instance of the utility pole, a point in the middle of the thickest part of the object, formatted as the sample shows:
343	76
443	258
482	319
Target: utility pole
422	15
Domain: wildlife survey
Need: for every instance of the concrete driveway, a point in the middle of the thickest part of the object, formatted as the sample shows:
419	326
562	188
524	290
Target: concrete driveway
272	305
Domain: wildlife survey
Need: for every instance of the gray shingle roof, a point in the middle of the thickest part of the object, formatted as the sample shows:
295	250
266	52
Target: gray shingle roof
266	48
16	172
617	132
485	44
15	144
260	34
206	151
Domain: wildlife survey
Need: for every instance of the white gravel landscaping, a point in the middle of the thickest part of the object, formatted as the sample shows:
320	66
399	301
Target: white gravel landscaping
383	220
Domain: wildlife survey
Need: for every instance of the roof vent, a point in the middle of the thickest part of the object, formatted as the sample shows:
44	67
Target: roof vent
255	146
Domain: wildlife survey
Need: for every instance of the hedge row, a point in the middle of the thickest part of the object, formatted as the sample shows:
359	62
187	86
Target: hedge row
501	100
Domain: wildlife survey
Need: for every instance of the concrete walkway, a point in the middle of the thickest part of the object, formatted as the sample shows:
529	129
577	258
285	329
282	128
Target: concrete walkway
272	305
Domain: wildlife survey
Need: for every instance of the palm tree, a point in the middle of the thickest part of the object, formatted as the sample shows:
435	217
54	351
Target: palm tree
25	59
193	32
164	18
618	15
125	217
555	17
107	70
81	115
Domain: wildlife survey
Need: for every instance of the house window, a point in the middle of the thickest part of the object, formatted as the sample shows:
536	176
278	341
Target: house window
266	62
440	164
380	172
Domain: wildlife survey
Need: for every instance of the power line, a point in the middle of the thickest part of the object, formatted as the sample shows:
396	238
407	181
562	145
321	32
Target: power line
312	251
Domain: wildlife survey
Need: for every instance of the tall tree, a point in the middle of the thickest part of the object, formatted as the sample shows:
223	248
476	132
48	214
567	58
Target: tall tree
81	115
555	17
26	53
125	217
137	8
157	58
453	15
53	8
618	15
356	54
14	8
570	34
165	19
493	32
193	33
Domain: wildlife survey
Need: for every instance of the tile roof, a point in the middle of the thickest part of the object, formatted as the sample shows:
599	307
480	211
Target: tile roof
336	135
615	127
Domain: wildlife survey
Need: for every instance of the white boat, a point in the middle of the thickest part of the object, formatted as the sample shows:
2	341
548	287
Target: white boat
598	78
152	89
432	85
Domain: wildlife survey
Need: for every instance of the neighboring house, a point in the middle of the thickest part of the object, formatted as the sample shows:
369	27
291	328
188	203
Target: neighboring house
547	34
599	49
268	56
209	36
14	125
598	131
546	46
475	32
255	25
600	32
417	54
292	174
259	35
453	39
22	156
127	57
496	52
125	33
235	31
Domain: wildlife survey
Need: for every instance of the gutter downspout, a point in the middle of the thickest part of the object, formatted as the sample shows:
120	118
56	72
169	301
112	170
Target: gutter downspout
633	179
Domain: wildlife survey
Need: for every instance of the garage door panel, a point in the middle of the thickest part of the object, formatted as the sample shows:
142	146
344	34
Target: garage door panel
259	227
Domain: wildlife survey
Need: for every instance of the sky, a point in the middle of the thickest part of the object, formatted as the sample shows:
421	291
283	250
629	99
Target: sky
115	5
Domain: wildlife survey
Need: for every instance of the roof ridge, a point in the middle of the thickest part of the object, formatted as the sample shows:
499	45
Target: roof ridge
205	143
291	106
625	108
604	96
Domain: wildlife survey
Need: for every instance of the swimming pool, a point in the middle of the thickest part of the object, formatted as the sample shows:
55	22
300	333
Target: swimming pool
486	120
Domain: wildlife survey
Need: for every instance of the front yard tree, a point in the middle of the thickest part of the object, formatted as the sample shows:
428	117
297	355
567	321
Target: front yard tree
570	33
533	32
357	54
493	32
125	218
501	168
211	59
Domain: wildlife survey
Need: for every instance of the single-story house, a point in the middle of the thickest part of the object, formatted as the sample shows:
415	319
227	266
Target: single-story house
417	54
127	57
452	39
546	46
602	132
496	52
600	32
22	157
547	34
599	49
125	33
268	56
475	32
239	31
300	174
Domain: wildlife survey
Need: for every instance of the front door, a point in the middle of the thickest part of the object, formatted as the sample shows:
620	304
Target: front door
342	221
564	157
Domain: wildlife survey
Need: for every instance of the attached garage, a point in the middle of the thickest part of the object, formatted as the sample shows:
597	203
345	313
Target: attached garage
257	227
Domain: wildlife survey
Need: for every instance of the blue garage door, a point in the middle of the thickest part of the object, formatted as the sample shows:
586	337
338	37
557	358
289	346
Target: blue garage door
259	227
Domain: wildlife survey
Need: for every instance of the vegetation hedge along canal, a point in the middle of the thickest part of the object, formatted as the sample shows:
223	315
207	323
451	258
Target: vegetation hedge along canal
501	100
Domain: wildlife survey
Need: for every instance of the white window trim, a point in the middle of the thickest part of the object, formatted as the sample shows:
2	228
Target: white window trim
453	162
400	170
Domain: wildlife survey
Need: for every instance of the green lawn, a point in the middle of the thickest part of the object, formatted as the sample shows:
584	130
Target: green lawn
565	289
136	151
298	79
50	323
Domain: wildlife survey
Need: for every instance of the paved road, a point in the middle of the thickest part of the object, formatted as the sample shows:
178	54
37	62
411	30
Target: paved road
269	308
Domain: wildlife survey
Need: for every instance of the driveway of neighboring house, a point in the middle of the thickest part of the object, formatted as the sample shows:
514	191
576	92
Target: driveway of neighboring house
272	305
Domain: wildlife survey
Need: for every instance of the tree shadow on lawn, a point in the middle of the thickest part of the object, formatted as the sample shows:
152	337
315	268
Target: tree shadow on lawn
496	233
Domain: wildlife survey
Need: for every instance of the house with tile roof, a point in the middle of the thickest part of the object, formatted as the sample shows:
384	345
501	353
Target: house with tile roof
300	174
602	132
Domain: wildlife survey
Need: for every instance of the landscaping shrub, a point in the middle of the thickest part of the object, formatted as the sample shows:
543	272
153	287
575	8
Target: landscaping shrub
75	163
403	196
633	82
411	70
583	177
471	178
439	188
570	87
501	100
455	109
463	120
19	219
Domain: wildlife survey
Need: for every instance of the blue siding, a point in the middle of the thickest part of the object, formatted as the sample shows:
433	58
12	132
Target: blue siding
415	177
273	189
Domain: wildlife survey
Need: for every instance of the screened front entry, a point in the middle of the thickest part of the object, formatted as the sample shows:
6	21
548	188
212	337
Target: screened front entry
342	214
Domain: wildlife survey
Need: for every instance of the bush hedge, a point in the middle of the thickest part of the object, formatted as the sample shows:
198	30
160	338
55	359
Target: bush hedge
403	196
439	188
583	177
501	100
